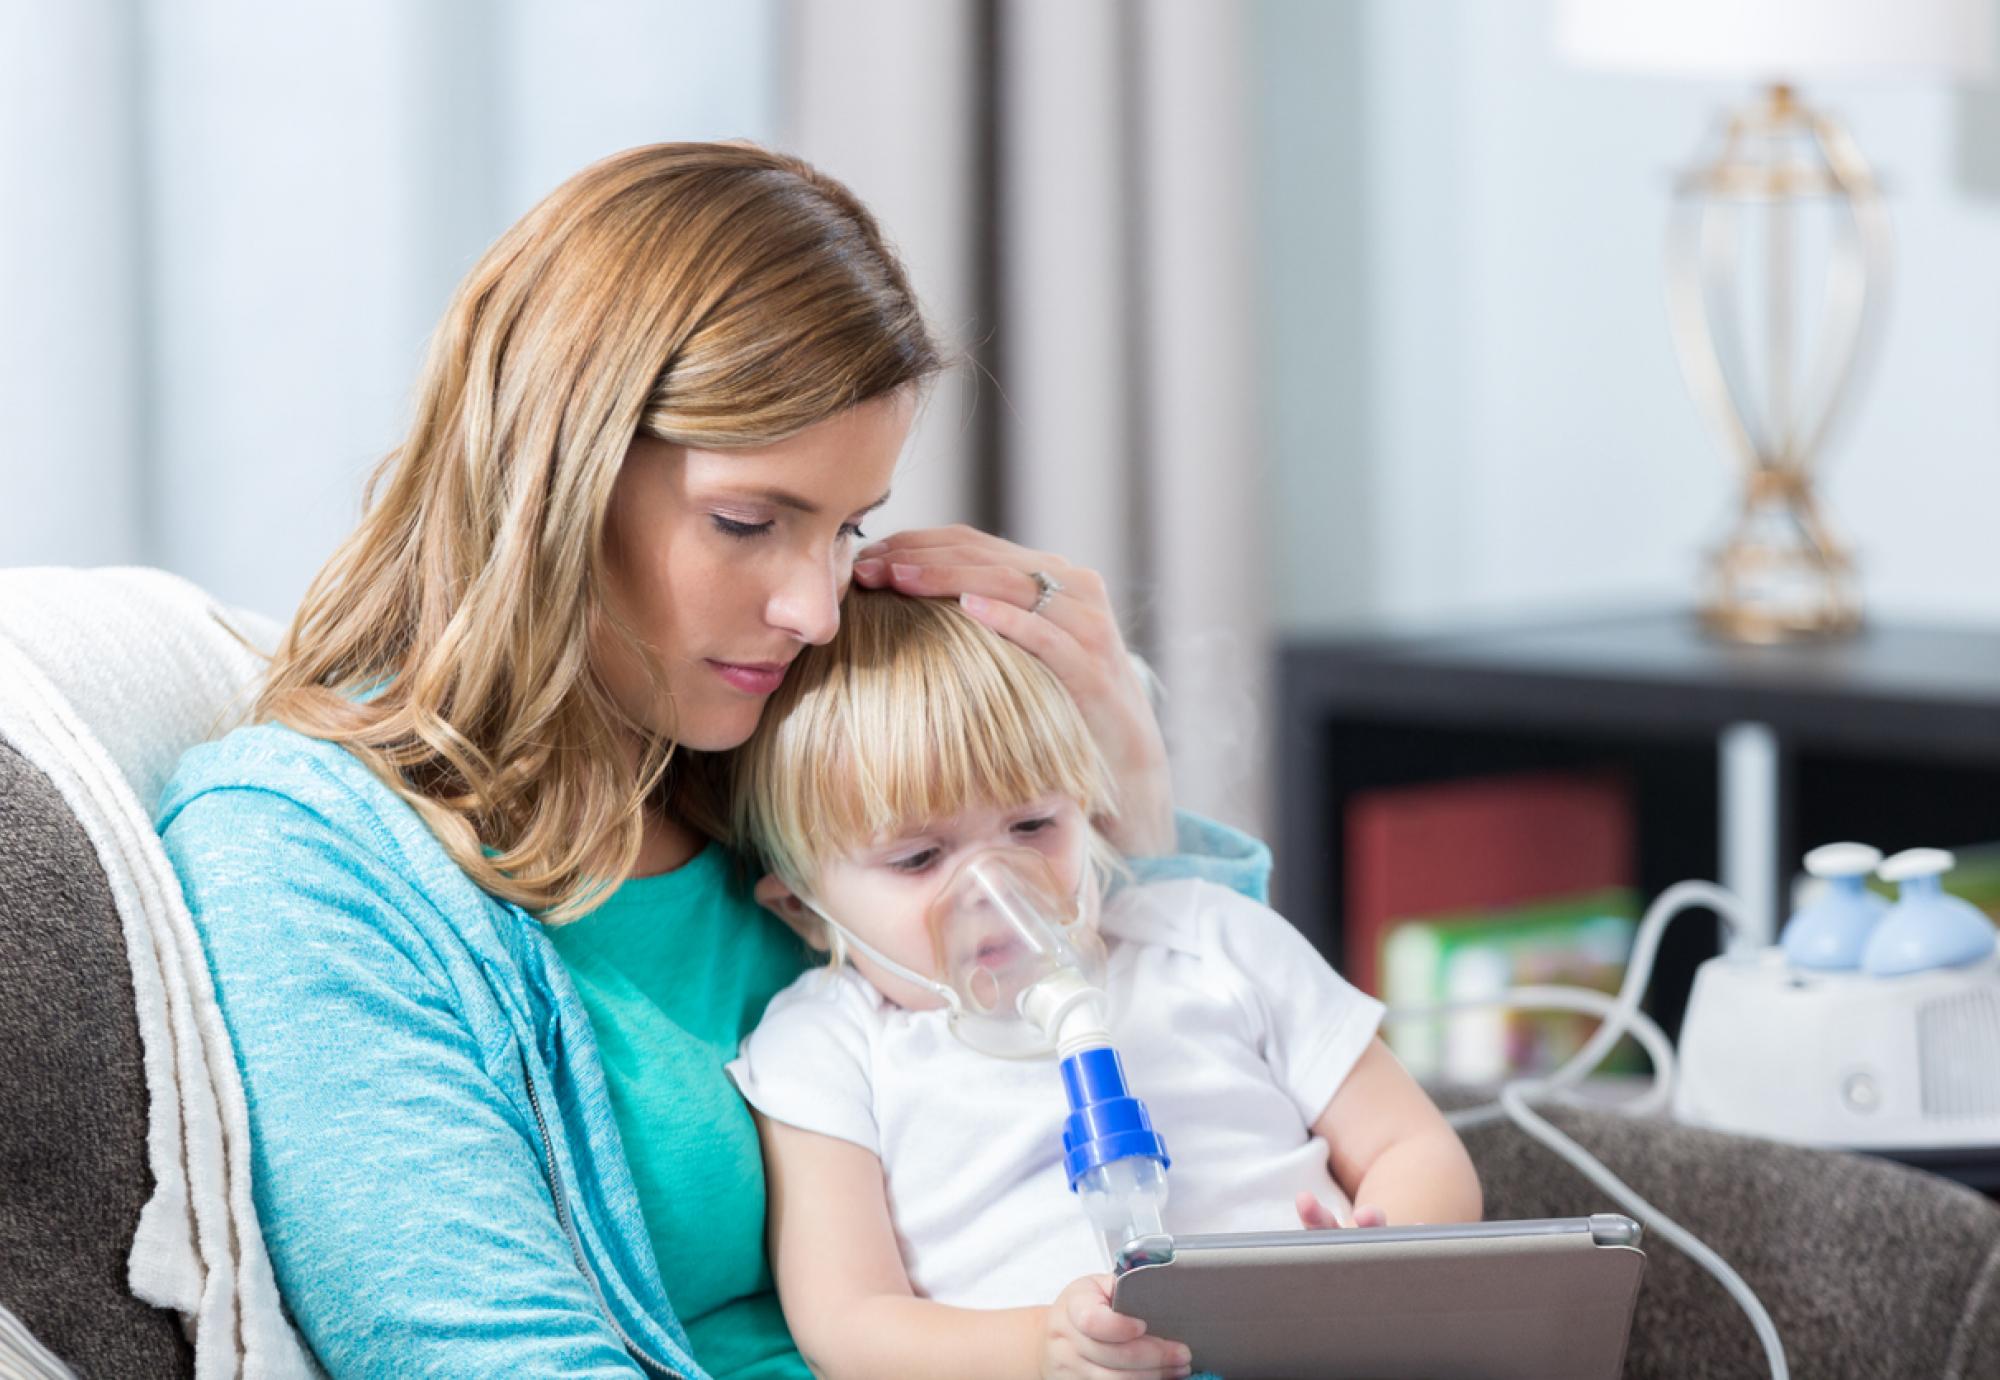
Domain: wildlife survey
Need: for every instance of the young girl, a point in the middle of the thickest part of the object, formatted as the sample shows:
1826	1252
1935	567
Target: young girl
915	1177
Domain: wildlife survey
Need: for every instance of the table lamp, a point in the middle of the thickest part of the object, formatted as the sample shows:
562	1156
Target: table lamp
1780	173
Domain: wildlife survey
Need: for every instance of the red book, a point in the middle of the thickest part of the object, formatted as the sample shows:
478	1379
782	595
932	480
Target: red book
1473	843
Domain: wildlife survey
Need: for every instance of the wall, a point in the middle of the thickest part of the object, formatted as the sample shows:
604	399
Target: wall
230	231
1471	398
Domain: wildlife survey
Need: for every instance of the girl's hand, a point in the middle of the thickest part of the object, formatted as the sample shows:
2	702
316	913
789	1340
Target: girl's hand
1084	1340
1317	1216
1076	634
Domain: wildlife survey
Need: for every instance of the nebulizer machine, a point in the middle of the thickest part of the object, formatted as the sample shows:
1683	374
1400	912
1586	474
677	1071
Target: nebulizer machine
1869	1026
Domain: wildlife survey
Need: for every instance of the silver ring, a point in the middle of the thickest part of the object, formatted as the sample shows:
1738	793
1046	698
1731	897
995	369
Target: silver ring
1049	585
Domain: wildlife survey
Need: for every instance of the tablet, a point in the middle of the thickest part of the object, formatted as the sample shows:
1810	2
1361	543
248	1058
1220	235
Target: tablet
1536	1300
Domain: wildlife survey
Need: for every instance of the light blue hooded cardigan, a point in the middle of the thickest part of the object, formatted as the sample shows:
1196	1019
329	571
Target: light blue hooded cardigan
436	1170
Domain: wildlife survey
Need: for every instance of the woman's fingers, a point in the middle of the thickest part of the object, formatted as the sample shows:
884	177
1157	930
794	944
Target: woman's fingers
1074	664
956	534
1078	609
901	567
1076	633
949	581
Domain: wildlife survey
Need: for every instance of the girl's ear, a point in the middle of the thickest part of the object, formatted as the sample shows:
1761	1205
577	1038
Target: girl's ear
773	895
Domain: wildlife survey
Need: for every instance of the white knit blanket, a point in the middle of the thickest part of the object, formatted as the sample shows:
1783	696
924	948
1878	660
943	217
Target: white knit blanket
106	677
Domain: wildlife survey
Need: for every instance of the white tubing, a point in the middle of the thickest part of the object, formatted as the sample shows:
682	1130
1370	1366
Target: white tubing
1642	1028
1514	1096
1621	1016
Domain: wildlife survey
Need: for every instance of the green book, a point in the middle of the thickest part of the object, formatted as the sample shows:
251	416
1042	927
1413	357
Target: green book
1573	941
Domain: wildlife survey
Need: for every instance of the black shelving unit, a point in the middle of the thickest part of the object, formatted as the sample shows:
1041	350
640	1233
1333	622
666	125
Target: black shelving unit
1892	738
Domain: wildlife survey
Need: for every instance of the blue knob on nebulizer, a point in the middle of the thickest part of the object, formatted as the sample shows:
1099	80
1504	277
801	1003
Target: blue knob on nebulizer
1116	1162
1830	932
1926	928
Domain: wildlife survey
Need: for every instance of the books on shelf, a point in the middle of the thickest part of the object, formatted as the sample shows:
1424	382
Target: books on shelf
1460	889
1581	941
1477	844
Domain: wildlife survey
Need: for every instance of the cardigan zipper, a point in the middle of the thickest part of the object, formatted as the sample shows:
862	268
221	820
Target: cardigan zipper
637	1352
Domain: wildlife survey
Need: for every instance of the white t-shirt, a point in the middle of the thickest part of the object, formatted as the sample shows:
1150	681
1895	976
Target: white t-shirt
1233	1030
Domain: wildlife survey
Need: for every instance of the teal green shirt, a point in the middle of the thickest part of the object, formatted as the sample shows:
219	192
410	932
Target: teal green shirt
674	970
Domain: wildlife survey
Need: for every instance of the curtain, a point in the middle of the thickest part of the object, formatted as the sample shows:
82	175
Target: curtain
227	227
1127	361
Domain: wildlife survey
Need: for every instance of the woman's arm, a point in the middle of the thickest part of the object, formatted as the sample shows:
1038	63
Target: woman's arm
1211	852
852	1312
1391	1149
399	1188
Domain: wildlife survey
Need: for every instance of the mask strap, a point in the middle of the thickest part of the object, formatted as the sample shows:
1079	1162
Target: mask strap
929	984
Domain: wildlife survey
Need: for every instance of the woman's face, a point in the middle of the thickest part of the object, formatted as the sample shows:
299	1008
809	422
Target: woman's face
727	563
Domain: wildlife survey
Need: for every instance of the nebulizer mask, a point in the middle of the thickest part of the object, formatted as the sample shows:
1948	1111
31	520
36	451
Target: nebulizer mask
1020	967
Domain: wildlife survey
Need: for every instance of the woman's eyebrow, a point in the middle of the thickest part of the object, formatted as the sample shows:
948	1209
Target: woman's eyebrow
782	499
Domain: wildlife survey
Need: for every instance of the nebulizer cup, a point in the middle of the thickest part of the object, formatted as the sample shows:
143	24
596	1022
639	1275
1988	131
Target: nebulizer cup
1027	967
1830	932
1926	928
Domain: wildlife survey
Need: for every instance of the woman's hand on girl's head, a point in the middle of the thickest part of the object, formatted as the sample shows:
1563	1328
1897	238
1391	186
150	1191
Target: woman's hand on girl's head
1076	634
1085	1338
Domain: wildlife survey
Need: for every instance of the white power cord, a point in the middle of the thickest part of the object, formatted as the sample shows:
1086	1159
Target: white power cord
1621	1016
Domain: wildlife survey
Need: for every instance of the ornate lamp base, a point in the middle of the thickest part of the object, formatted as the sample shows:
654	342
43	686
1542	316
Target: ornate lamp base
1780	576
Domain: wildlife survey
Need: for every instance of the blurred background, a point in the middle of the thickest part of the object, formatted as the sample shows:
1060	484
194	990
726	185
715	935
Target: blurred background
1299	319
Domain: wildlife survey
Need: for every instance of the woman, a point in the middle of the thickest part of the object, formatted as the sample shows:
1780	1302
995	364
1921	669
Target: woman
479	952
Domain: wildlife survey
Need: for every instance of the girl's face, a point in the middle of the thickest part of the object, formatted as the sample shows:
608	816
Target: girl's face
727	563
882	892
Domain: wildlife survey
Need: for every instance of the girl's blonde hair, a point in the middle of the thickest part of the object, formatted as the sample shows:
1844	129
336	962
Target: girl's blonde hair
708	295
912	713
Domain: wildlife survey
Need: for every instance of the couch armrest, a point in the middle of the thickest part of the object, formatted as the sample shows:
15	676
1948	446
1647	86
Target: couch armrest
1867	1267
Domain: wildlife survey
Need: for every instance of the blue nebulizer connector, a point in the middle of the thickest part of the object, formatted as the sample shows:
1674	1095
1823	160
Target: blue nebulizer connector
1829	933
1926	928
1116	1162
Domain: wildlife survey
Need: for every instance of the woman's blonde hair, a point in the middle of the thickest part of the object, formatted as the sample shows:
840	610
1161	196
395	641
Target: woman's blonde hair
912	713
708	295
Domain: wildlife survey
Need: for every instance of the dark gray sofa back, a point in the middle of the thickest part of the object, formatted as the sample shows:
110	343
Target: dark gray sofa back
73	1171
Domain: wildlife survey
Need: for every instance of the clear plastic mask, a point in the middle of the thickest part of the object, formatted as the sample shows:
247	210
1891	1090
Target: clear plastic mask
1002	930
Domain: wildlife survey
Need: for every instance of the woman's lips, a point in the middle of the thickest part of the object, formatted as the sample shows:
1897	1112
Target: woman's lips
755	678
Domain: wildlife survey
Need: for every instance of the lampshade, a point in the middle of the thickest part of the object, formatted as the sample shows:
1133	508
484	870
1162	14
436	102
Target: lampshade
1780	40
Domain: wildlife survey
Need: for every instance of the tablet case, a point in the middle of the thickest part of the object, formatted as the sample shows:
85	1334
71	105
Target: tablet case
1532	1300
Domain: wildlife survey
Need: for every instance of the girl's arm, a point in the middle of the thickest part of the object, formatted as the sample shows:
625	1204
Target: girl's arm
852	1311
1391	1149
